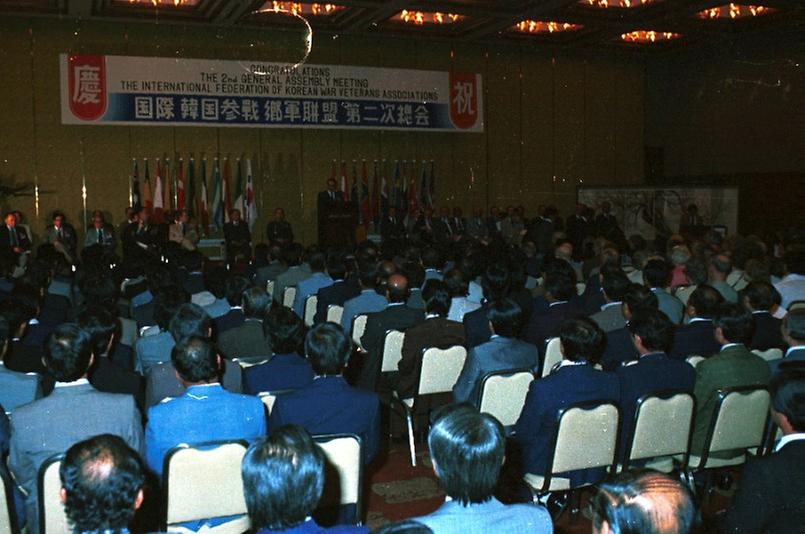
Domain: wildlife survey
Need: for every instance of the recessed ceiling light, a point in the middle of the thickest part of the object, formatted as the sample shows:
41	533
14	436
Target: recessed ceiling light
300	8
619	4
649	36
734	11
421	18
542	26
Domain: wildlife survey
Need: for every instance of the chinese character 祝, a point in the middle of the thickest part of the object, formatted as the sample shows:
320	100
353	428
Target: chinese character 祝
463	98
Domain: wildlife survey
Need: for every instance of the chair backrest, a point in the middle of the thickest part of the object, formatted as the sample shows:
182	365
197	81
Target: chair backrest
503	394
683	293
440	369
245	364
8	518
769	354
203	481
270	397
52	518
343	472
270	287
796	305
737	280
358	326
739	420
392	350
553	355
334	313
288	296
663	425
310	309
586	437
694	360
580	287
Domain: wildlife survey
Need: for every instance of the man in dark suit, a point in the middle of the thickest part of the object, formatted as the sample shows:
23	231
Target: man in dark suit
578	227
273	269
615	284
61	235
457	222
657	276
238	238
502	352
476	227
653	371
247	340
696	337
234	287
331	197
758	298
391	226
575	380
141	237
770	496
541	230
733	366
13	239
396	316
620	347
279	230
16	388
336	294
793	330
19	310
73	412
559	290
435	331
496	283
192	262
329	405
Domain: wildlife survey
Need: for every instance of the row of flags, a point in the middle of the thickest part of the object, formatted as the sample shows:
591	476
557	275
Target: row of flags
409	187
173	190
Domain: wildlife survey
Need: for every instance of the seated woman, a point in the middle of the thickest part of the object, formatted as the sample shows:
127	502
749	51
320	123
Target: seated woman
287	368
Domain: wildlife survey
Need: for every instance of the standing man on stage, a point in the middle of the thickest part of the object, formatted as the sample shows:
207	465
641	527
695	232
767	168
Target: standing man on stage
279	230
238	238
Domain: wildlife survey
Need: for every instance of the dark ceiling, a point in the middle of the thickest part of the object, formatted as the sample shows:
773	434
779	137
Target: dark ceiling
479	20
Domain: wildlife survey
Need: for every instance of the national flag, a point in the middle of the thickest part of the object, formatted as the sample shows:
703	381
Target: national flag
384	192
167	203
374	206
250	208
203	203
180	205
412	200
237	193
354	193
333	171
158	200
424	196
149	200
135	187
226	191
217	207
366	208
191	188
396	188
344	185
432	183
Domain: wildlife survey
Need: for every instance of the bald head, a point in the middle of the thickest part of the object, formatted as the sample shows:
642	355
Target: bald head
397	288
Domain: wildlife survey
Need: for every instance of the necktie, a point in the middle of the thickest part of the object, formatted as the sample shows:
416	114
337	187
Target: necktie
100	235
60	233
332	195
14	241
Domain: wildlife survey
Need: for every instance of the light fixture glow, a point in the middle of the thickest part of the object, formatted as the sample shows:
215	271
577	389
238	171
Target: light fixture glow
301	8
540	26
166	3
649	36
620	4
420	18
734	11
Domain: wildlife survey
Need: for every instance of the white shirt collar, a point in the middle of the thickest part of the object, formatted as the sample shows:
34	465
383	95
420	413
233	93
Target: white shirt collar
699	319
728	345
610	304
552	304
431	316
79	382
797	436
396	304
794	349
568	363
760	311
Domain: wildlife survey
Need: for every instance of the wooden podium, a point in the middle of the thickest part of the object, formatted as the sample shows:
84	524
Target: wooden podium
337	224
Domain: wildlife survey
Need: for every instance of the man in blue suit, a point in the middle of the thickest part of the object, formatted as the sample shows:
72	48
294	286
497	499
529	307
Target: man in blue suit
205	412
560	288
653	371
759	298
502	352
342	289
311	285
793	330
697	337
495	283
467	450
657	276
329	405
368	301
575	380
619	346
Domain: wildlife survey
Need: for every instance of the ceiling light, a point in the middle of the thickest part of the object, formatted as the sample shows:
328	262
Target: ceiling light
164	3
622	4
734	11
649	36
420	18
540	26
300	8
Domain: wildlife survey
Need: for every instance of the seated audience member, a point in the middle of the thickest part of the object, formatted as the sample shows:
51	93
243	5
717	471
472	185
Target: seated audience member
247	340
467	450
295	273
733	366
156	348
415	274
502	352
432	262
317	279
696	337
273	269
458	286
102	484
367	301
215	284
329	405
20	357
235	286
544	324
238	238
396	316
74	411
615	284
718	269
654	371
436	331
406	526
104	374
287	368
573	381
771	490
792	286
341	290
205	412
5	432
192	271
283	480
793	331
657	276
16	388
645	502
759	298
619	344
496	283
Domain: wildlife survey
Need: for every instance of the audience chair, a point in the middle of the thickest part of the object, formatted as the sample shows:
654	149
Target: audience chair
586	437
796	305
15	392
8	514
737	280
270	397
310	309
203	481
695	359
440	371
580	287
334	313
128	331
392	351
358	327
288	297
683	293
503	394
343	472
663	427
270	287
771	436
553	355
769	354
52	518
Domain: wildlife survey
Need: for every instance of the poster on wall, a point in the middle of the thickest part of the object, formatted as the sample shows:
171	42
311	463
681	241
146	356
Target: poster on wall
650	211
155	91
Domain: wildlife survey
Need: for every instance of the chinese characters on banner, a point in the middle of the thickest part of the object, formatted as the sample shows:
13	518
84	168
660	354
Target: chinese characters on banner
167	91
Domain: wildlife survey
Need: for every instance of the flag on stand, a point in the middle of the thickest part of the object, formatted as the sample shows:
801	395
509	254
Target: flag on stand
180	205
203	207
366	208
217	207
226	191
158	205
432	184
425	200
167	203
237	193
384	192
191	188
412	200
374	206
396	190
250	208
344	185
135	187
354	193
149	200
